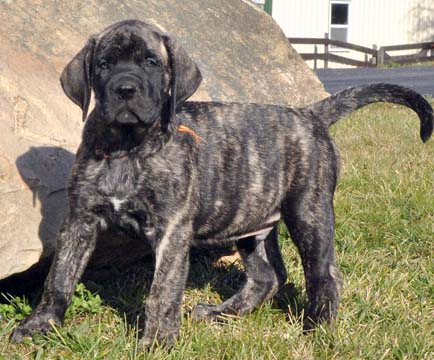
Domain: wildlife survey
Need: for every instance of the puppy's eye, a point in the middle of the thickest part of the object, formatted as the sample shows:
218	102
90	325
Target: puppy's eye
151	62
104	65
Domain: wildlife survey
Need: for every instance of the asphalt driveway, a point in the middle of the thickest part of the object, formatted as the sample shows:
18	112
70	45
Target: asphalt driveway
419	78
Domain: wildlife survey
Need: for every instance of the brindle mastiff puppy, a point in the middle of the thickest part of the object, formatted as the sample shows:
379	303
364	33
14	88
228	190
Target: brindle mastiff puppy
214	173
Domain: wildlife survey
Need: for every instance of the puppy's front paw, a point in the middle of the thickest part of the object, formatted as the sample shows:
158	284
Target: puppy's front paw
150	340
33	324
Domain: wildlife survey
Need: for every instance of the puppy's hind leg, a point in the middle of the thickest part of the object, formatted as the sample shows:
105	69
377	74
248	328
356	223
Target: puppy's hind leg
274	256
75	244
263	278
310	221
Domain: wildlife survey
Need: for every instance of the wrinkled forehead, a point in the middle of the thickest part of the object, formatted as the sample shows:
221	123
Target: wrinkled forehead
131	42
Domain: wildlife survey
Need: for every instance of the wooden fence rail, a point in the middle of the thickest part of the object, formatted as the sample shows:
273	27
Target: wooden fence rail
372	56
426	53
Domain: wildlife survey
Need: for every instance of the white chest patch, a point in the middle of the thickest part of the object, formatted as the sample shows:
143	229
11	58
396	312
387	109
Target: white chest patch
218	203
117	202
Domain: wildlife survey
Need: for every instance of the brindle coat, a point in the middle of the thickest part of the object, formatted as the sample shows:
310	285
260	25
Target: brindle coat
230	178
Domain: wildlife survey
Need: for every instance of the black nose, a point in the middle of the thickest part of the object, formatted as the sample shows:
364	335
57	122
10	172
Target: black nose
125	91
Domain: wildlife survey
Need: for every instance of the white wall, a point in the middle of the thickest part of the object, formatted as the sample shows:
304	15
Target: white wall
380	22
390	22
302	18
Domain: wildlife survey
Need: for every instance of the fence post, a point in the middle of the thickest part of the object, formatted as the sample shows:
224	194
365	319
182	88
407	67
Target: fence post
381	56
315	51
432	46
326	50
374	59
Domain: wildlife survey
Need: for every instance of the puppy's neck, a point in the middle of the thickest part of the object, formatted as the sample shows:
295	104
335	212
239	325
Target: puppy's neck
111	142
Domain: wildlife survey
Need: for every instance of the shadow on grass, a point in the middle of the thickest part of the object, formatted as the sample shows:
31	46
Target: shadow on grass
124	289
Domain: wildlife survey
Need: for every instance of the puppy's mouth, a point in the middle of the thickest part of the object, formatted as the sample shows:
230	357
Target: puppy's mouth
127	117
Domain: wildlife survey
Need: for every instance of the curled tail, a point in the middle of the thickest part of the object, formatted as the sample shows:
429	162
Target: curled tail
340	104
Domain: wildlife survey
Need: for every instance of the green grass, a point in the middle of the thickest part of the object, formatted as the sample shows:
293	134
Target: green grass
384	241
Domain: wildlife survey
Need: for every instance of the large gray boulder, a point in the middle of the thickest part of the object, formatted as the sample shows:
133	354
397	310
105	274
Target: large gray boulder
243	56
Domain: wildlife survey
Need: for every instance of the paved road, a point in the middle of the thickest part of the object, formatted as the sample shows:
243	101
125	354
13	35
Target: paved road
419	78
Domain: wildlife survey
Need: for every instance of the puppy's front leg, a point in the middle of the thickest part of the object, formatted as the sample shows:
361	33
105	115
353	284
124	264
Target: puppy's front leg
163	306
75	244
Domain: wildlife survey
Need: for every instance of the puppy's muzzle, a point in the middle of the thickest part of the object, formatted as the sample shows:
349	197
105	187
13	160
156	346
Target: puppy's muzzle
127	98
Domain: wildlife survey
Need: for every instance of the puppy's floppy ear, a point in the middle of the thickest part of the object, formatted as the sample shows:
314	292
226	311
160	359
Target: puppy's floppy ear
185	78
76	77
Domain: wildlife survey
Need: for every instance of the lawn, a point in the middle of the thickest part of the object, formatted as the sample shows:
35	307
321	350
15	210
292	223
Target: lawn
384	242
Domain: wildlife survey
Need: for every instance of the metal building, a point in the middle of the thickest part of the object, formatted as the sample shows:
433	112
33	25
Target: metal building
362	22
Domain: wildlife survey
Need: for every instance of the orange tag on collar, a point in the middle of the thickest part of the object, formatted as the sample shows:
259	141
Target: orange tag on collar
187	130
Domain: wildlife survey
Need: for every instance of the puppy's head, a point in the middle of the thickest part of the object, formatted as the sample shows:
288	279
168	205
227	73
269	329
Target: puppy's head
138	75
